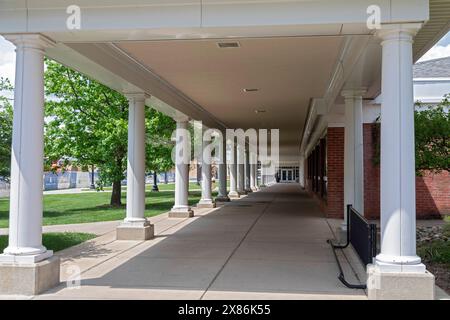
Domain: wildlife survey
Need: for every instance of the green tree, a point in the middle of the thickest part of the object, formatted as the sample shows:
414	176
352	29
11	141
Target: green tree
88	122
6	123
432	126
159	128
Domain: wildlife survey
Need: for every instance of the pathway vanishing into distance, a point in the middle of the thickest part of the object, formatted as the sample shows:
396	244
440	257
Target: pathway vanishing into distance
268	245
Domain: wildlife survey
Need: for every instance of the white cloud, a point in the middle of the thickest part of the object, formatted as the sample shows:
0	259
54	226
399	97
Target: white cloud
436	52
7	60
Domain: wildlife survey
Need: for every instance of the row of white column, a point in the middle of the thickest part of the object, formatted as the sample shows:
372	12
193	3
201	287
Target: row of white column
26	205
398	205
243	172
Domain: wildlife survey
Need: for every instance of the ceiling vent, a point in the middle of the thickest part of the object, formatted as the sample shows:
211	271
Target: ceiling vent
224	45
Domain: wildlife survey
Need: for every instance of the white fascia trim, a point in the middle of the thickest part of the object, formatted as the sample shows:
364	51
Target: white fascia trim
431	79
434	100
127	18
351	51
321	130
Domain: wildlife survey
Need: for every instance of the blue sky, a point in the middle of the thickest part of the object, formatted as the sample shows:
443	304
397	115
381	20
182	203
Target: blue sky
8	57
445	41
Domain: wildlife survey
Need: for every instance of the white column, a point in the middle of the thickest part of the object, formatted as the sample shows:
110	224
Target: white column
240	170
353	152
27	154
136	159
398	201
263	175
181	209
253	168
247	170
135	226
233	173
397	272
222	196
206	200
301	172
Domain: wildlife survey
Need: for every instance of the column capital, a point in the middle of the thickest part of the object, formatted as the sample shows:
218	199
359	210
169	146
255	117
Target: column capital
31	41
402	31
136	96
353	93
180	118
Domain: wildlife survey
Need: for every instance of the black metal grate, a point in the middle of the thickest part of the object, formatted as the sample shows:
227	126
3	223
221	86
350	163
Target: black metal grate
362	236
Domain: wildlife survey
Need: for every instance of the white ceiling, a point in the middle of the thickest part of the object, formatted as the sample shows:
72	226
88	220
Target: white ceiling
287	71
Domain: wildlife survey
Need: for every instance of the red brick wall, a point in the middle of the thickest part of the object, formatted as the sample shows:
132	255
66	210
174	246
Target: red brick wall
433	195
335	173
371	174
432	190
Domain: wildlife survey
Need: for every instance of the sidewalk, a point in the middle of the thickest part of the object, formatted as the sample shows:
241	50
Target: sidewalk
268	245
98	228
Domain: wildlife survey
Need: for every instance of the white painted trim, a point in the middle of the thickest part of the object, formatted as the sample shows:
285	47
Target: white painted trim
196	18
431	79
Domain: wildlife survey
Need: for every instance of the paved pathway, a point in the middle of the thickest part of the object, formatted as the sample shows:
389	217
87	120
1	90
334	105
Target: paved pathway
269	245
98	228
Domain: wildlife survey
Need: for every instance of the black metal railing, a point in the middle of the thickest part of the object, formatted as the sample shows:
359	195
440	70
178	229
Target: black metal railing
362	235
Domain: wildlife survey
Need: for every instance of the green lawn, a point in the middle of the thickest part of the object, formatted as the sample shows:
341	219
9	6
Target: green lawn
94	206
56	241
161	186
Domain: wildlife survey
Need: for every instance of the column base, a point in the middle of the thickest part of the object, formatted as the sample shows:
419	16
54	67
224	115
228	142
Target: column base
29	279
222	199
184	212
206	204
140	231
255	189
399	285
9	257
234	195
247	191
242	193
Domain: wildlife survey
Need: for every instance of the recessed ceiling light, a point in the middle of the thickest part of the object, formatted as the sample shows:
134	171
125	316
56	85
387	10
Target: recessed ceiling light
260	111
251	89
228	44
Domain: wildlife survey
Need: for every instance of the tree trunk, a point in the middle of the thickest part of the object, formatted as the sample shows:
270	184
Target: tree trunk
116	196
92	177
155	182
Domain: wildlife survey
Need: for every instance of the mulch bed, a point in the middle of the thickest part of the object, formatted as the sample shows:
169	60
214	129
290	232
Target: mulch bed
441	273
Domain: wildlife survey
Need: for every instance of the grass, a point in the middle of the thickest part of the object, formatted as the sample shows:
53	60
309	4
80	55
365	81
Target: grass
94	206
56	241
161	186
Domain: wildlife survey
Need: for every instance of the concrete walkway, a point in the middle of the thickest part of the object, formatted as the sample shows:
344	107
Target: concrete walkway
268	245
97	228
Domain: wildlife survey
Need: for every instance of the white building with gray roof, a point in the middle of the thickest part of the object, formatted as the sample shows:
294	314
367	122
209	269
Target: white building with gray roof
432	80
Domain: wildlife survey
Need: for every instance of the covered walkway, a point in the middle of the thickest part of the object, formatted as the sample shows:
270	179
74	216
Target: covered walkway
268	245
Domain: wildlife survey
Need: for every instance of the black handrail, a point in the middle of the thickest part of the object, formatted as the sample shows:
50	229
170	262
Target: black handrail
364	253
341	275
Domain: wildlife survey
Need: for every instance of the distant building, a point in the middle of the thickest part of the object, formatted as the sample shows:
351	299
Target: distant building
432	80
